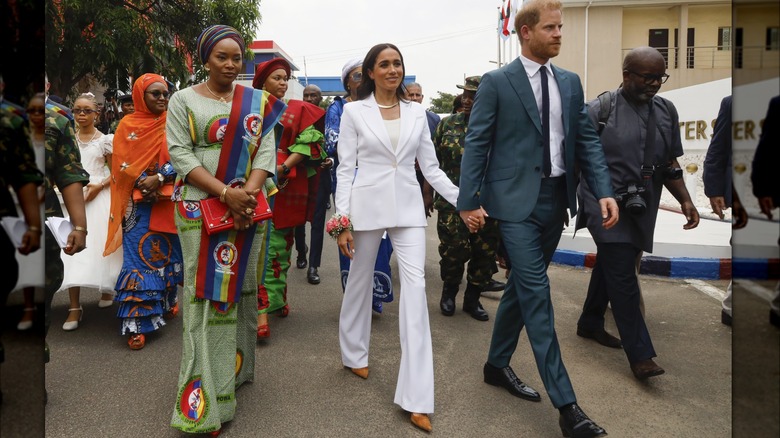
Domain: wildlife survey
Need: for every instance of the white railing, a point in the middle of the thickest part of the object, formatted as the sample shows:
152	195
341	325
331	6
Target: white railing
701	57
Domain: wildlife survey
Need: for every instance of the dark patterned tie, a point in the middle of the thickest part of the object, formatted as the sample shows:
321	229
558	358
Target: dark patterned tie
545	122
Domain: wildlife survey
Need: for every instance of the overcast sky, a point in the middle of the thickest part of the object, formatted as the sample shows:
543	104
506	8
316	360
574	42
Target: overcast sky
442	41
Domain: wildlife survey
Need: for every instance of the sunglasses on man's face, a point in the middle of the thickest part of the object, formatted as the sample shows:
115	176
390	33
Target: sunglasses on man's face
36	110
85	111
157	93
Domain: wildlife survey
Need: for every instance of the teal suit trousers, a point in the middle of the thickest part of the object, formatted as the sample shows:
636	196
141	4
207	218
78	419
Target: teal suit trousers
530	245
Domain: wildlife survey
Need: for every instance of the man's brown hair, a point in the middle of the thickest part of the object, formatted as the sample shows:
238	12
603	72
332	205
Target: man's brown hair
529	13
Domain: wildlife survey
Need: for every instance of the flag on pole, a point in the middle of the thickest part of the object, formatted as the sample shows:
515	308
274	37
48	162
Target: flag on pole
507	20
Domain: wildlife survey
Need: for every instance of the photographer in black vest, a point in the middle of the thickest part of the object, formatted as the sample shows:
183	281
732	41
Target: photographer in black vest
641	141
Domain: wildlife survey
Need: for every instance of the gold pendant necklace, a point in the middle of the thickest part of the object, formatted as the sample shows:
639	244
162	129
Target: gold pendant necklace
221	98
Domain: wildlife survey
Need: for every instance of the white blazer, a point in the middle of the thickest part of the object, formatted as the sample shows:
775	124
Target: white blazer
376	186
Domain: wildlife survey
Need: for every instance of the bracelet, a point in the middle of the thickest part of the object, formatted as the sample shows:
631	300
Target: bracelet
34	229
103	184
78	228
285	169
222	195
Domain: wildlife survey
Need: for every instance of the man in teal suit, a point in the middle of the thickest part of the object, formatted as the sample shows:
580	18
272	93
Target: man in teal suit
529	140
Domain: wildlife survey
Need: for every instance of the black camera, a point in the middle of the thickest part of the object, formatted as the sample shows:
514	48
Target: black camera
110	93
631	199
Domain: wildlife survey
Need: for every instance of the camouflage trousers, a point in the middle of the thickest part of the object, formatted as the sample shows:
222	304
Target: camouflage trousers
457	246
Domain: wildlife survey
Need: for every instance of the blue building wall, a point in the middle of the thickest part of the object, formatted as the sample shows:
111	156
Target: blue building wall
332	86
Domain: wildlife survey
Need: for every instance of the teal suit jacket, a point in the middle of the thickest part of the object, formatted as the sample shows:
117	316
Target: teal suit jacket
501	169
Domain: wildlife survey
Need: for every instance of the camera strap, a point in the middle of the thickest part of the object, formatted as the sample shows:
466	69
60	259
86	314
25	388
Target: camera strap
647	166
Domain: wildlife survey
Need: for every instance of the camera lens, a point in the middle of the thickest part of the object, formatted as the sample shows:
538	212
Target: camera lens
635	205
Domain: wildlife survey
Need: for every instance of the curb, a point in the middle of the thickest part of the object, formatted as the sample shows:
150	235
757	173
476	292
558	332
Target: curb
685	267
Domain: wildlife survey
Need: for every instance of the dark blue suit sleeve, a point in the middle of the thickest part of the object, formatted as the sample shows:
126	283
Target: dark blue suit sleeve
717	163
478	141
765	161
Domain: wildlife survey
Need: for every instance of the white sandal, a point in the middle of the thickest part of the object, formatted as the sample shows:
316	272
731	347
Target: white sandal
73	325
26	325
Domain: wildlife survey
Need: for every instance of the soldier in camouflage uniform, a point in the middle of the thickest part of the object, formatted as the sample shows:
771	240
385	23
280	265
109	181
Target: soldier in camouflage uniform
63	170
17	161
128	107
457	246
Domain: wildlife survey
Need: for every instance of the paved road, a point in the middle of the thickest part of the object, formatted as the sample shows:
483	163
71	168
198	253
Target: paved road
98	387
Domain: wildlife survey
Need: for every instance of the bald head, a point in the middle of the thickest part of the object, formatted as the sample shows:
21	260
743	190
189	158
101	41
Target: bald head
312	94
644	70
642	55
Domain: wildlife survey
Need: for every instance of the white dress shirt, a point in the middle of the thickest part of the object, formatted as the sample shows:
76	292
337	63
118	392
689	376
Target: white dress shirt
556	113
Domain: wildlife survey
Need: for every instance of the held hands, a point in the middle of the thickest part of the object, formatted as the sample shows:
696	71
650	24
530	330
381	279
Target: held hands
691	214
609	212
241	205
474	219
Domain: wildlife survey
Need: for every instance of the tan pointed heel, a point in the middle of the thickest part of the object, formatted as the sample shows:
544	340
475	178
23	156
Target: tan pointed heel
362	372
422	421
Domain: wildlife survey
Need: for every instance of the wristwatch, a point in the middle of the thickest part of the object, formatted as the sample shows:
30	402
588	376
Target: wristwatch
285	169
161	178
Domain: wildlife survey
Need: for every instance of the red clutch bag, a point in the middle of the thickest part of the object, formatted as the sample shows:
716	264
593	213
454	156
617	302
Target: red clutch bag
213	210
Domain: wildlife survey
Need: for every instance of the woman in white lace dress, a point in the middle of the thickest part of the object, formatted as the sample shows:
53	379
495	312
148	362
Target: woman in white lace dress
89	269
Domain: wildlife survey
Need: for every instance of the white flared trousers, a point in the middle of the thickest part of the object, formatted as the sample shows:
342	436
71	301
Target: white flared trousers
414	389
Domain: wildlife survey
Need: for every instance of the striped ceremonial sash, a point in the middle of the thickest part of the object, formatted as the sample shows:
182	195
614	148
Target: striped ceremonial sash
223	257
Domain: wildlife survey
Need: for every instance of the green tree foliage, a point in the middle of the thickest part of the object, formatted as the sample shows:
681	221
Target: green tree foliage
111	40
326	102
442	104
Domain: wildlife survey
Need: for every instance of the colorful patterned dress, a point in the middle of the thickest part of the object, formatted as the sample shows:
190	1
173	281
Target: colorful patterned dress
293	205
218	352
152	269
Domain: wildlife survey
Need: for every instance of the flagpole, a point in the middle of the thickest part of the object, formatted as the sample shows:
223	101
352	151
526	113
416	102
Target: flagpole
498	39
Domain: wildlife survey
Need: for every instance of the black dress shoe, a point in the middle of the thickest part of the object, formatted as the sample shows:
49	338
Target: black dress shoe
600	336
506	378
725	318
476	312
575	424
646	368
495	286
447	305
312	276
301	262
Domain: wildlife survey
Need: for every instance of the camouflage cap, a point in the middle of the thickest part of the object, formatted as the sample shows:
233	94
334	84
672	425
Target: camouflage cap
470	83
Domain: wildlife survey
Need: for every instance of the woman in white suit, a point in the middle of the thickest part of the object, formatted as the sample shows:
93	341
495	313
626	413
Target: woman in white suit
381	136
